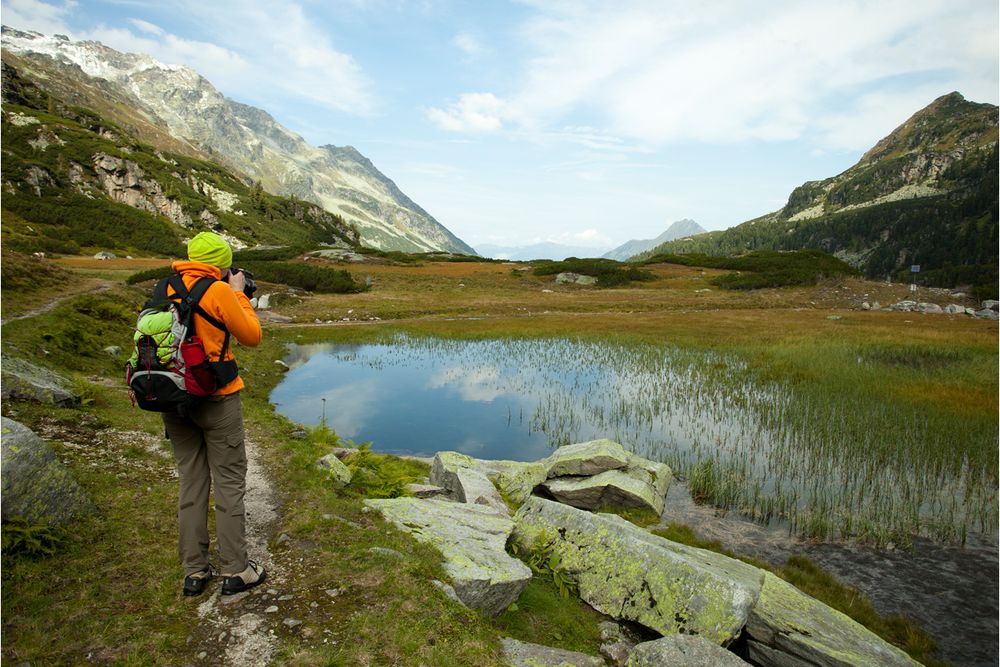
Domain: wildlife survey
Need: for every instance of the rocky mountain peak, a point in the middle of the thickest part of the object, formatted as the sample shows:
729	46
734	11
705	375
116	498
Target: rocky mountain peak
244	138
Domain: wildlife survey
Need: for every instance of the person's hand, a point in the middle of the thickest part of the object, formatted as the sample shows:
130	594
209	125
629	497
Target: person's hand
236	281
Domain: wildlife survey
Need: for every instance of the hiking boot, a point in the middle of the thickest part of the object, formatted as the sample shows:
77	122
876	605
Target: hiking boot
194	584
237	583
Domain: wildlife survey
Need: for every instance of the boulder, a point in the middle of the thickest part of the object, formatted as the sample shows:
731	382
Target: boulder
954	309
339	473
686	650
986	313
36	486
523	654
614	488
991	304
23	380
457	473
630	574
472	538
616	643
787	627
514	479
264	302
579	279
104	254
929	308
905	306
586	458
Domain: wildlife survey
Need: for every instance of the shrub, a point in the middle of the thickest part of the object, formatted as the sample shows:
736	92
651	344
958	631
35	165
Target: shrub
306	276
765	268
609	273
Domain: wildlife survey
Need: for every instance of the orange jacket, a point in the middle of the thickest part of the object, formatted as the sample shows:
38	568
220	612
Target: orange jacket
231	308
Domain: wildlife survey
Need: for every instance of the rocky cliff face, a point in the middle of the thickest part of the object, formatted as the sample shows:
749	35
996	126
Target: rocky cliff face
245	138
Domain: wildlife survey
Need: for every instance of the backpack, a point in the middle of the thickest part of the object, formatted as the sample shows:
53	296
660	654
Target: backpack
169	370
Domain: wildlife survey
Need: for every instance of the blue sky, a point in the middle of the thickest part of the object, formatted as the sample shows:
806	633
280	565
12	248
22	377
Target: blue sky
586	123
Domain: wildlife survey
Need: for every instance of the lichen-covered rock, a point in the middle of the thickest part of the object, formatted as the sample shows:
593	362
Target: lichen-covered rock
514	479
628	573
36	486
613	488
523	654
660	474
339	473
25	381
686	650
425	490
787	627
472	539
586	458
458	474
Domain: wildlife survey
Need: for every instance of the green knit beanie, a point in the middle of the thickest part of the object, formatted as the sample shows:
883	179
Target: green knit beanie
209	248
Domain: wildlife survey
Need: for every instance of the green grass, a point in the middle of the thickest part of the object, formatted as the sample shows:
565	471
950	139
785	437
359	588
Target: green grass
816	582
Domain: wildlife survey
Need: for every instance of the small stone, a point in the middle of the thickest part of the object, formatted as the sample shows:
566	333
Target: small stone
392	553
273	609
281	364
314	604
292	622
286	598
272	591
202	655
283	539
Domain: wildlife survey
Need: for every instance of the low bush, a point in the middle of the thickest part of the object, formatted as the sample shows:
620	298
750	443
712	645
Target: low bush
765	268
306	276
608	272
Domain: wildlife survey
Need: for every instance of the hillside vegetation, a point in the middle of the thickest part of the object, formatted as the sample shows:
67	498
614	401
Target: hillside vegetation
76	183
925	195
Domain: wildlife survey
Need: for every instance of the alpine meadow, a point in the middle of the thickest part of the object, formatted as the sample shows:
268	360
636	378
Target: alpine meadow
771	443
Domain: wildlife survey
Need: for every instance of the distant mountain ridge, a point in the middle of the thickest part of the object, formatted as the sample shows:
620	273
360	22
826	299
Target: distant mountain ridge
545	250
201	122
676	230
926	194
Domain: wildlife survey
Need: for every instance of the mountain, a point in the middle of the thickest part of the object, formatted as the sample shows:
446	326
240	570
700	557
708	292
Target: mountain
75	182
676	230
926	195
544	250
174	108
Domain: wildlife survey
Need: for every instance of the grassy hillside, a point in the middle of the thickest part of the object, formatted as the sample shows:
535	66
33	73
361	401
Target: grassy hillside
926	194
76	183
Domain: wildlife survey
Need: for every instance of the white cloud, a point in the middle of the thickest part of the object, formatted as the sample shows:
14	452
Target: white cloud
469	44
658	71
147	27
46	18
255	49
473	112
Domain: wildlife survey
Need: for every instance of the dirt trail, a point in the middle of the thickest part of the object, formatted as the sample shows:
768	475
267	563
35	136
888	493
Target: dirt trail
235	630
102	286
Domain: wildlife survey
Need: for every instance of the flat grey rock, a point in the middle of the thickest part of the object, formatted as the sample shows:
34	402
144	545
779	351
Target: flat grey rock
586	458
523	654
23	380
472	538
686	650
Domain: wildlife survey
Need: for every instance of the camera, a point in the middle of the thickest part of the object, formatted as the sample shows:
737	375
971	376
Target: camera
249	284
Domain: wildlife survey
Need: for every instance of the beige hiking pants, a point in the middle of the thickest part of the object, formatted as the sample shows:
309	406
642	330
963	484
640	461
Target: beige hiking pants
208	448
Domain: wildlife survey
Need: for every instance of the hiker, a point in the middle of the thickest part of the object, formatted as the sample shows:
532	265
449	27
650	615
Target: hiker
208	440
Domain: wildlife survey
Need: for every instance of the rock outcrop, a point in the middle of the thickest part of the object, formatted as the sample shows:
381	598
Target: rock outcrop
787	627
472	539
23	380
36	486
630	574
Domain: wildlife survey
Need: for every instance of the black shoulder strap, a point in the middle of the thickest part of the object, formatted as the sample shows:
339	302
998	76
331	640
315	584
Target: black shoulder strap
197	292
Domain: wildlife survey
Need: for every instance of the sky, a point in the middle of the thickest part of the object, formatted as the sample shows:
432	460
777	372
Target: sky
576	122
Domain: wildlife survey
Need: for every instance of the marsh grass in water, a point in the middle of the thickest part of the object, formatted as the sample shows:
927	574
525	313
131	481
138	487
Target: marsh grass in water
834	438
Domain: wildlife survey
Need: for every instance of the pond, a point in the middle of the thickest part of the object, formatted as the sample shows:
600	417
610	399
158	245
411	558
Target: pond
829	464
